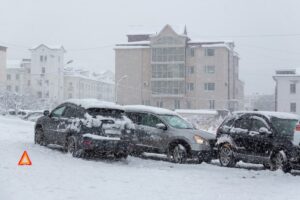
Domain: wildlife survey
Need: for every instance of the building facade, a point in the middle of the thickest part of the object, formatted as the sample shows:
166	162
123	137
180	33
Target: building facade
2	67
45	78
287	91
170	70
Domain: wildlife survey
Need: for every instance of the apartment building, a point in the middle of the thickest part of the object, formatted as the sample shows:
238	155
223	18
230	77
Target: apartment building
2	67
168	69
287	90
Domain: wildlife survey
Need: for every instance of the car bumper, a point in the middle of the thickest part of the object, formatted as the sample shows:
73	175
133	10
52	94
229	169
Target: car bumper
113	146
203	151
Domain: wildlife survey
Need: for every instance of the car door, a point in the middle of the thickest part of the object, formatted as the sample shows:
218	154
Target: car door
68	123
154	137
139	132
240	132
53	124
261	142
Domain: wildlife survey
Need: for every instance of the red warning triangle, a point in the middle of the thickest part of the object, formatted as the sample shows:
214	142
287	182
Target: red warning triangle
25	160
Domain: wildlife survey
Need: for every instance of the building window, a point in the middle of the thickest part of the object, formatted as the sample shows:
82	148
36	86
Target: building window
168	54
168	87
190	70
8	88
188	104
41	58
43	70
293	107
45	58
39	94
70	96
168	70
17	88
47	94
209	86
47	82
28	70
8	77
177	104
191	52
209	52
293	88
190	86
209	69
211	104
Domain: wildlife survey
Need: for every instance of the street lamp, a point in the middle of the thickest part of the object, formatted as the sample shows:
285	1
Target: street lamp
116	87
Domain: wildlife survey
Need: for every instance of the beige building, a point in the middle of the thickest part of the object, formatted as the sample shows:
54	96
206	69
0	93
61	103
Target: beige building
2	67
170	70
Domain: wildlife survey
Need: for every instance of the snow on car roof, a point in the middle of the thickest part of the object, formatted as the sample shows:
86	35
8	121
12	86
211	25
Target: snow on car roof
94	103
268	114
199	111
151	109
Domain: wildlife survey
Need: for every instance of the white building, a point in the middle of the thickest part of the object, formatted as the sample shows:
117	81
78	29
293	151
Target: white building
80	83
46	75
287	91
44	78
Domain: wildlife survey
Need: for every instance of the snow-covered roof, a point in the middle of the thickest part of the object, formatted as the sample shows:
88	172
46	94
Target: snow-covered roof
94	103
52	47
13	64
131	47
150	109
269	114
191	111
106	77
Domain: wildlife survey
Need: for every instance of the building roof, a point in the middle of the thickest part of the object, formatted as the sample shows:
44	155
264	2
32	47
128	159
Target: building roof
52	47
153	30
13	64
106	77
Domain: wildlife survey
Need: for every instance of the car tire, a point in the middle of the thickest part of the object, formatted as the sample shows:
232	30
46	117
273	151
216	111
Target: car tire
226	155
121	155
72	147
178	154
39	137
279	161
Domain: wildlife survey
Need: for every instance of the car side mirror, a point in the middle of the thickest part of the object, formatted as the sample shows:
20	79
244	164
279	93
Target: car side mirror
46	113
264	131
161	126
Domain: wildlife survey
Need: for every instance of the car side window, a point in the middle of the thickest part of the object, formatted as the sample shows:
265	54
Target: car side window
257	123
242	123
136	118
58	112
73	112
150	120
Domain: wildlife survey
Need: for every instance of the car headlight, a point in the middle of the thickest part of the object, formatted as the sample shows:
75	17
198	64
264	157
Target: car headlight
199	139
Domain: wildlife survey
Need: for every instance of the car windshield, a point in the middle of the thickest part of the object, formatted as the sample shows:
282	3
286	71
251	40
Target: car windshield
177	122
284	126
114	113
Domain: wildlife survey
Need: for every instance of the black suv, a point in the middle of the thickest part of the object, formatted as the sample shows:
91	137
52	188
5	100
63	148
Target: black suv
86	126
259	137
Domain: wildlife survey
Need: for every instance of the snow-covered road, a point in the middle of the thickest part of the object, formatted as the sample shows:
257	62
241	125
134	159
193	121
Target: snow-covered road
59	176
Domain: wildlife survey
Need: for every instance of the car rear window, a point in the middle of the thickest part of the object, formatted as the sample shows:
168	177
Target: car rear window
284	126
115	113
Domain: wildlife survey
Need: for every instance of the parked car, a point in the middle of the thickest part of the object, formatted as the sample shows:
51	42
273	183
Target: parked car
259	137
86	126
160	130
33	116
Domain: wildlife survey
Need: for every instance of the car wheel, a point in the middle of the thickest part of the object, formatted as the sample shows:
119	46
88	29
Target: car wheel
39	137
178	154
73	147
121	155
279	161
226	156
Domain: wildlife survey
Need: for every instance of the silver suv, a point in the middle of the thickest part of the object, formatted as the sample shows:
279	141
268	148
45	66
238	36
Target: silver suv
160	130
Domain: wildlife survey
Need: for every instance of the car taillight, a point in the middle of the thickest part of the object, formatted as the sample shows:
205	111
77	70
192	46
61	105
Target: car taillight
298	127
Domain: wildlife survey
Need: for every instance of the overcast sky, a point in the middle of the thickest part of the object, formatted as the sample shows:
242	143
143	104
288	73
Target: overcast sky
266	32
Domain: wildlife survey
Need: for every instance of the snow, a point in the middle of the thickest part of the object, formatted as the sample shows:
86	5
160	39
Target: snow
155	110
94	103
191	111
57	175
269	114
131	47
13	64
53	47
